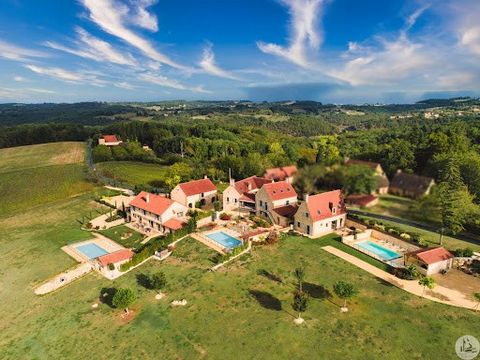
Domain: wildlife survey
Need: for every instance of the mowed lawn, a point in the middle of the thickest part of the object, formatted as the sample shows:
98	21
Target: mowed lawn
132	172
33	156
238	312
37	174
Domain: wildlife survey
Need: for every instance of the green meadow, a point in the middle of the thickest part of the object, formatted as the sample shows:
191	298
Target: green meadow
242	311
132	172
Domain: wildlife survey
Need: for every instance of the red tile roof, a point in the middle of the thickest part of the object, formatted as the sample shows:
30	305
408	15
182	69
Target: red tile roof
434	255
115	257
286	211
361	200
279	190
247	198
156	204
196	187
251	183
110	138
280	173
174	224
320	206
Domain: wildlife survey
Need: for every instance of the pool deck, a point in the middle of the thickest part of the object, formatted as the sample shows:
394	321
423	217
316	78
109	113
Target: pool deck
439	294
203	238
100	240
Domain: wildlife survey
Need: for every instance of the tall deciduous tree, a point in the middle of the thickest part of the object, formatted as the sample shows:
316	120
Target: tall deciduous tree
123	298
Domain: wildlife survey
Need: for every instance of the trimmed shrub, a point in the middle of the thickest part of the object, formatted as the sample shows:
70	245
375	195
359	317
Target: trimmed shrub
111	266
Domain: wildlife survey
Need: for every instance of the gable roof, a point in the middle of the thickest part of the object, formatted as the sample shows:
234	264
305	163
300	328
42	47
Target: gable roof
360	199
115	257
110	138
280	173
370	164
250	183
196	187
174	224
416	184
279	190
287	210
320	206
156	204
433	255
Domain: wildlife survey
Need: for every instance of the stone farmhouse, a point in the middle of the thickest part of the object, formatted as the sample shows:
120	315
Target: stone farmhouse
197	192
241	194
276	201
109	140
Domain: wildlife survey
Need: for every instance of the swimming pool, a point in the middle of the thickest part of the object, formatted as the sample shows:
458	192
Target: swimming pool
224	239
91	250
382	252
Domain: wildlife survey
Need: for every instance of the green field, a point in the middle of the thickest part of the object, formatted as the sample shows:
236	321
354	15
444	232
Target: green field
238	312
132	172
33	156
34	175
251	312
117	234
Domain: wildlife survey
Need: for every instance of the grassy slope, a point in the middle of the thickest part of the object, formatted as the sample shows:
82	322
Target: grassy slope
33	156
222	320
132	172
33	175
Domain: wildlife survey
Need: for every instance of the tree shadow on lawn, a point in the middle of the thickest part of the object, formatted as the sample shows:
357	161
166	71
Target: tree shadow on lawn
266	300
144	281
270	276
106	296
317	291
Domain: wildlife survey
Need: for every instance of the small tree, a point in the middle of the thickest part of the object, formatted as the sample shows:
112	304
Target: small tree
477	297
299	274
344	290
300	302
411	271
123	298
158	281
426	282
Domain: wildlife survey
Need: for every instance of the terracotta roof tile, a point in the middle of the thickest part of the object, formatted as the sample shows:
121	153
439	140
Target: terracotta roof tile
362	200
320	206
196	187
174	224
433	255
280	173
279	190
250	183
286	211
115	257
110	138
156	204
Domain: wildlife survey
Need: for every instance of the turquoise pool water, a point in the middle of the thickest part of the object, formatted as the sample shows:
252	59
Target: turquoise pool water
92	250
382	252
224	239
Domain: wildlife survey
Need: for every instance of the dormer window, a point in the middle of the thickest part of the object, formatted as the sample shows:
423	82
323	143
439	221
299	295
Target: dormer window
318	212
306	214
334	210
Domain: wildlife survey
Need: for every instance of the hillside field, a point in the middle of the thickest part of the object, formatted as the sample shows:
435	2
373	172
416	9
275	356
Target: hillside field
37	174
132	172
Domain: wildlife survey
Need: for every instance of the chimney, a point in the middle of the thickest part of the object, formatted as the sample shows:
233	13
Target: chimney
305	198
249	186
287	179
232	182
147	198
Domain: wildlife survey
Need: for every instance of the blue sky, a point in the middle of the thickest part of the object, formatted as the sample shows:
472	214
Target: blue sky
341	51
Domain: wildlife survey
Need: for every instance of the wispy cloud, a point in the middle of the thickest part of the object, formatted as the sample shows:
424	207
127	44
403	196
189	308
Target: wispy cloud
19	79
113	17
305	36
16	53
209	65
67	75
170	83
90	47
142	17
22	93
124	85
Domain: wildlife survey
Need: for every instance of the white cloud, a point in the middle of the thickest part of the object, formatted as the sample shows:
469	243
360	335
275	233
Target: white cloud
67	76
19	78
124	85
170	83
208	64
113	16
16	53
143	18
304	34
470	38
90	47
22	93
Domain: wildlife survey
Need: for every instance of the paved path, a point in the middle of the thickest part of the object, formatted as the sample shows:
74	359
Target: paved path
439	293
64	278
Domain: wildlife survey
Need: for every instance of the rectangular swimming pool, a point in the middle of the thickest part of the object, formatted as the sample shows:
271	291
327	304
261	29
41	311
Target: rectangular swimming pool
382	252
91	250
224	239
